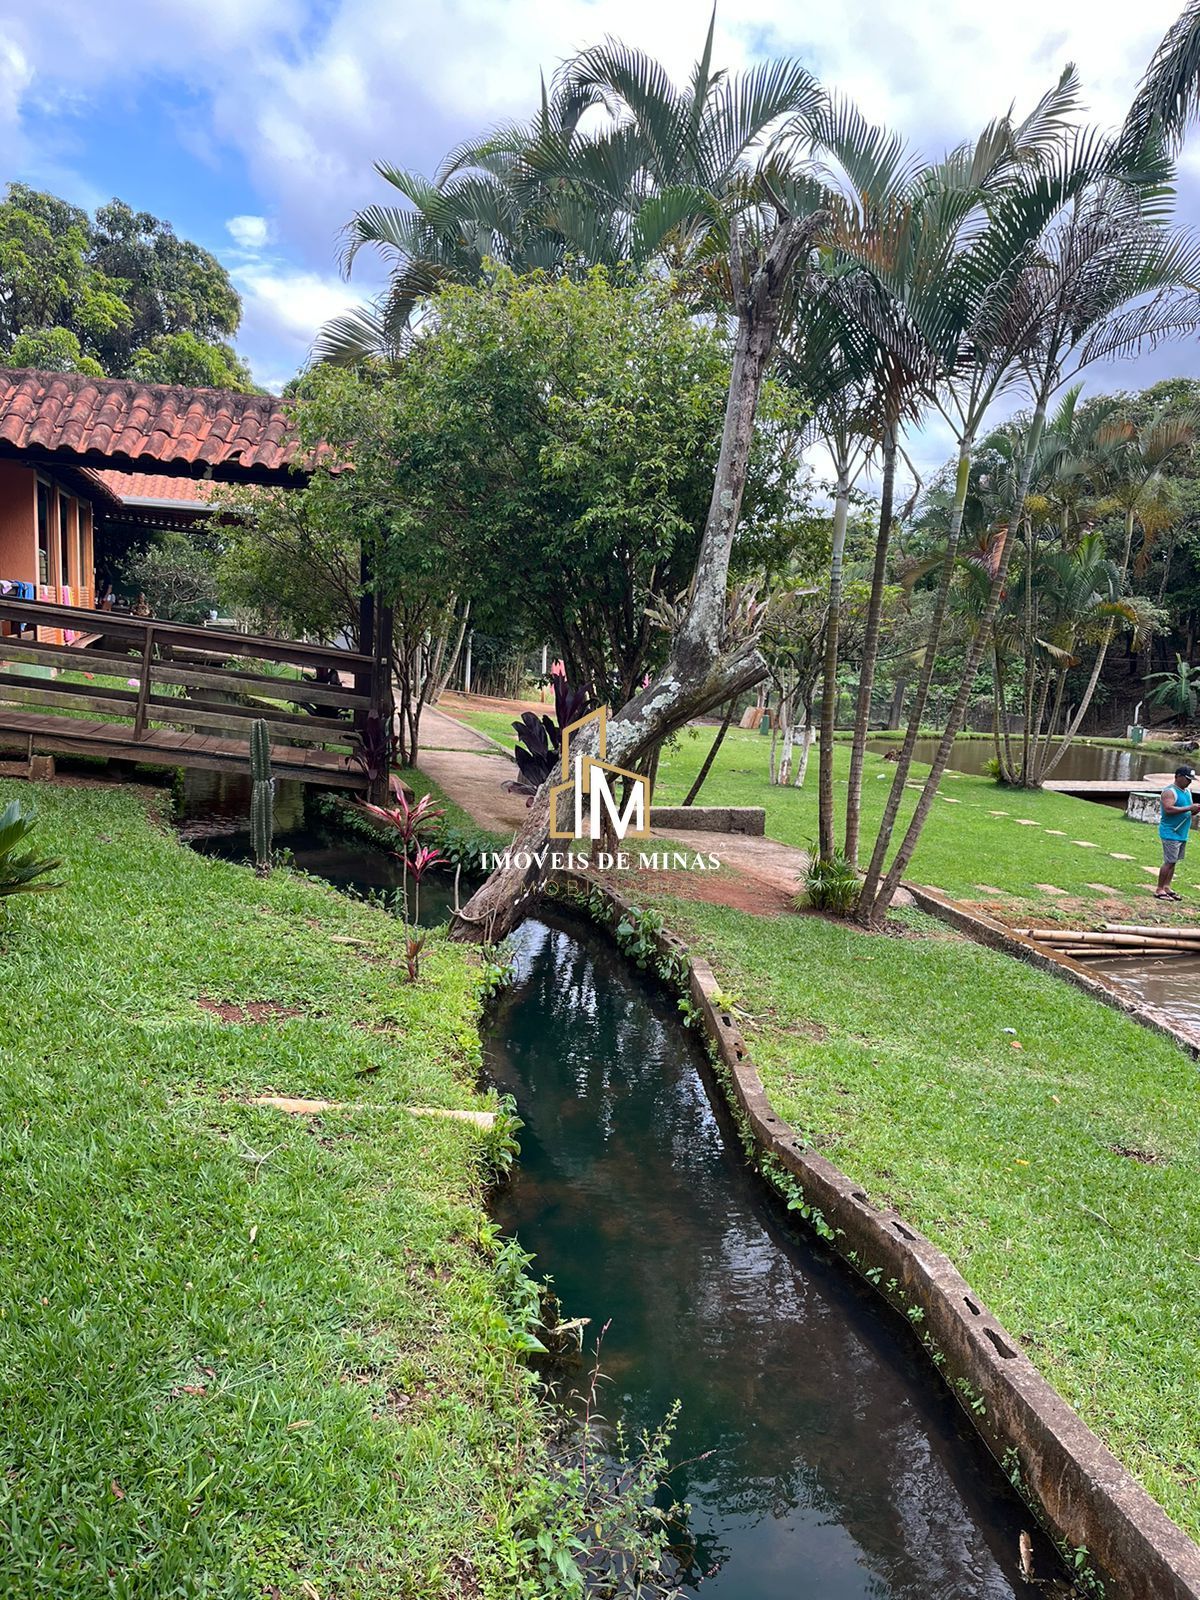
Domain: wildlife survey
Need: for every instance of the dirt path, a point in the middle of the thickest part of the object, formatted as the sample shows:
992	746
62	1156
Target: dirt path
472	770
758	875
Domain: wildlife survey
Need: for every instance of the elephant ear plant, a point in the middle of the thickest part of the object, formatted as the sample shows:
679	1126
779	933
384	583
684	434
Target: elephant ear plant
539	739
407	819
21	870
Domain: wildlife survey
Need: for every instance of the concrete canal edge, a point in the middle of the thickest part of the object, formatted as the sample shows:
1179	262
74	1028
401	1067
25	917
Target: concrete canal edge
986	931
1079	1490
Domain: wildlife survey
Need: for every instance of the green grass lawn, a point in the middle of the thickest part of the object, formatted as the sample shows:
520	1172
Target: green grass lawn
966	849
244	1353
891	1055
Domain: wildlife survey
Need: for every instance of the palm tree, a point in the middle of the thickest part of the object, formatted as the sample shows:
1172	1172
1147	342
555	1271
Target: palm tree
1178	690
650	185
1168	97
1109	277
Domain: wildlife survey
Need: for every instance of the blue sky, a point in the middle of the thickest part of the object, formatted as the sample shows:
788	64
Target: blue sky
252	128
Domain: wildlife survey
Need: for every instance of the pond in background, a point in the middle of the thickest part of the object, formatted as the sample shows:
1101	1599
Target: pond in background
1082	761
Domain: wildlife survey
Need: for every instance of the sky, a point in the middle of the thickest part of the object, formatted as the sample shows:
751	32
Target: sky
253	127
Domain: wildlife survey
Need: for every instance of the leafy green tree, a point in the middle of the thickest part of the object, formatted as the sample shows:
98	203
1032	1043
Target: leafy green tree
120	295
52	350
183	358
575	427
177	575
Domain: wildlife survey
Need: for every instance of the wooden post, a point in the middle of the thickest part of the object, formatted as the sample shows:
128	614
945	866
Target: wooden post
143	700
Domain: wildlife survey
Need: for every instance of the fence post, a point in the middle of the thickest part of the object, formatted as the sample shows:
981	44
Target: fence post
143	701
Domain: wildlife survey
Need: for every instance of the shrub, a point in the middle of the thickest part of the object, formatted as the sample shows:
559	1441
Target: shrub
830	885
20	869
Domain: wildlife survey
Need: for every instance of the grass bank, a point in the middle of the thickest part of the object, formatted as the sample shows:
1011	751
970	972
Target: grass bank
245	1353
1045	1142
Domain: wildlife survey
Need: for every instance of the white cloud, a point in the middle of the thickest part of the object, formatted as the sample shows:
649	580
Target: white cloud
252	233
283	310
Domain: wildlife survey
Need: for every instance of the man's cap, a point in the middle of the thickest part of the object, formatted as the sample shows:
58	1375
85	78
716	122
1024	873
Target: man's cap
1185	772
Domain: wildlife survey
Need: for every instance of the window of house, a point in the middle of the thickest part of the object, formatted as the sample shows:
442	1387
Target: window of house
83	513
43	532
64	539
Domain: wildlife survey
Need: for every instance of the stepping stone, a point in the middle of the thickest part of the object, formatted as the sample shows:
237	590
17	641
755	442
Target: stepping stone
1057	832
949	799
1049	888
1102	888
1117	856
997	813
1027	822
1153	871
1084	844
293	1107
990	888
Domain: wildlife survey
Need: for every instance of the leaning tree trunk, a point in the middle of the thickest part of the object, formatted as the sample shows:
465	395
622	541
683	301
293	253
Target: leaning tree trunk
706	766
872	911
706	666
921	695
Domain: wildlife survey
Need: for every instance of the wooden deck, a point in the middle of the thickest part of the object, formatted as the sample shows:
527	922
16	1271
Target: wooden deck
48	734
165	694
1109	788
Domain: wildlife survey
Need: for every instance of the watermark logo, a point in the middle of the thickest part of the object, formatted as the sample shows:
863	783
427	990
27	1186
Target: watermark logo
591	779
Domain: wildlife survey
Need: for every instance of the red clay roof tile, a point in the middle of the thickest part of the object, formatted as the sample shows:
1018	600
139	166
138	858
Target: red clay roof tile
238	437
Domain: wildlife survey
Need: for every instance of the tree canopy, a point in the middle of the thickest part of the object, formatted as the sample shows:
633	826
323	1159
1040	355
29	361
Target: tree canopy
119	294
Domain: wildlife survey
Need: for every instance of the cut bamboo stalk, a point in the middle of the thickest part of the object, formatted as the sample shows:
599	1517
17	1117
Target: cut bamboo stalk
1152	932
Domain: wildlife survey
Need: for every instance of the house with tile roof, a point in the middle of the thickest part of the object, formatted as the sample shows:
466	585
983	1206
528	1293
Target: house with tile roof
82	455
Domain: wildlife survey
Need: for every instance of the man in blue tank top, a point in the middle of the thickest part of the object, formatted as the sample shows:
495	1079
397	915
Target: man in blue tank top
1178	809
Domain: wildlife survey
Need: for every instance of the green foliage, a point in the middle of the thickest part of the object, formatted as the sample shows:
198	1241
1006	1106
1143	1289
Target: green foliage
1178	690
118	294
52	350
21	869
276	1337
262	795
830	885
177	575
182	358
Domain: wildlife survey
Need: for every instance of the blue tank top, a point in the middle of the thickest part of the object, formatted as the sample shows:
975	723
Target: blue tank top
1176	825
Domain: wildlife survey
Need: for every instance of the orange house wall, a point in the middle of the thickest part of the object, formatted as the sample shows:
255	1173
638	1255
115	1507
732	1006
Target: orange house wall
18	531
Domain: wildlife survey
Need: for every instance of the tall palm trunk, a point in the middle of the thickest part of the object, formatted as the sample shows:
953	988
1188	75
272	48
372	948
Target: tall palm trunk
878	907
921	694
829	686
866	679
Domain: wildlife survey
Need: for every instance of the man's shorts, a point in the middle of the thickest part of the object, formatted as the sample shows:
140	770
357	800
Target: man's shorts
1173	850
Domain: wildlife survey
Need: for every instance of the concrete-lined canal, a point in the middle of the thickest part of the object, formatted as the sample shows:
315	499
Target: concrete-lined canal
835	1466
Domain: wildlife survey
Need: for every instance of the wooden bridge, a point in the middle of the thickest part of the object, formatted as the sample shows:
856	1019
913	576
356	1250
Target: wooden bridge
166	694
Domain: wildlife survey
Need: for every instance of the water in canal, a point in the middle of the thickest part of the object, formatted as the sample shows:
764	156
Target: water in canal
827	1462
840	1469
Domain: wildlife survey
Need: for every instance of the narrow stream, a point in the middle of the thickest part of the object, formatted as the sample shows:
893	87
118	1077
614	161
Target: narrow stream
822	1458
840	1469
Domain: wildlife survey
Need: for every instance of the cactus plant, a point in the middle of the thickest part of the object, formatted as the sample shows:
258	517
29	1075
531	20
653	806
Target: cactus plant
262	795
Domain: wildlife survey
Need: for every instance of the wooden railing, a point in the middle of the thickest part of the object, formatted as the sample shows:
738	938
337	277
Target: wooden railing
176	676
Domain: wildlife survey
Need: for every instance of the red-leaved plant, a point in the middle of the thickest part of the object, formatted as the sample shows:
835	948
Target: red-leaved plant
407	818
